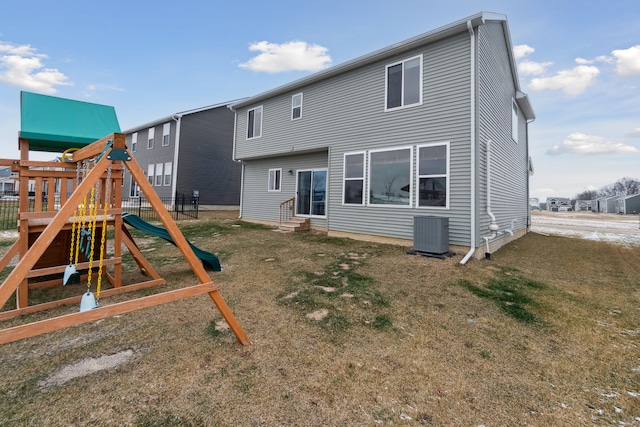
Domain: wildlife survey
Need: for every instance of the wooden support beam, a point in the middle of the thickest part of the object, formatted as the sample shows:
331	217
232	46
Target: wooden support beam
184	247
43	326
10	314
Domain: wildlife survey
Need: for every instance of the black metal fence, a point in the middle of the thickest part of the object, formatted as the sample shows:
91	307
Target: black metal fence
180	207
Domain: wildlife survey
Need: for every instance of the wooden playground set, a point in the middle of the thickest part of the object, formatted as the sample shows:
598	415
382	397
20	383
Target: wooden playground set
76	211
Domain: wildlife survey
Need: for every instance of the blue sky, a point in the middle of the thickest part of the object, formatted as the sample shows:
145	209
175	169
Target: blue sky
578	61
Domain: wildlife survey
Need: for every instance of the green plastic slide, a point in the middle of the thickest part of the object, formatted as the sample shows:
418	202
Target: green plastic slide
208	259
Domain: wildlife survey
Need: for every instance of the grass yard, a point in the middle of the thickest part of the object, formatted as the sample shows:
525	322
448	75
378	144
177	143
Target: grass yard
343	332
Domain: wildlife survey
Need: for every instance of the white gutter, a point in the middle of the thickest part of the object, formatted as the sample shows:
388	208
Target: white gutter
174	172
472	215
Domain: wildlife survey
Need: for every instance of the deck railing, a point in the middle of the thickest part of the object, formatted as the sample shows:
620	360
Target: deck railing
286	209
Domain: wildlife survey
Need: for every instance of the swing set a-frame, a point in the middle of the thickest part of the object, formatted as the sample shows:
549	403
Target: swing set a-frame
82	194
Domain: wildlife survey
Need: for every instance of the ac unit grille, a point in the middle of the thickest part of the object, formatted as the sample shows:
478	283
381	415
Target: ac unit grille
431	234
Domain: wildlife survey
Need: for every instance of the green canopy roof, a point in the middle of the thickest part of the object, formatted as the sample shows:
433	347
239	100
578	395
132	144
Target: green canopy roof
56	124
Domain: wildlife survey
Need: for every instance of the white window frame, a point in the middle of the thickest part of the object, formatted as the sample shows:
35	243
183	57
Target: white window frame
134	141
133	188
363	178
411	180
166	129
168	170
158	174
150	137
514	120
386	84
151	173
275	180
295	105
257	125
446	175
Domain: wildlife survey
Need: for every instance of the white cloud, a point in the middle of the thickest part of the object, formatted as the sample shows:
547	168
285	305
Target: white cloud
22	66
589	145
522	50
531	68
290	56
572	82
627	61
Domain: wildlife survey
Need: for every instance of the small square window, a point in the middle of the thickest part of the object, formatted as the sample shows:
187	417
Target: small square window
275	178
404	83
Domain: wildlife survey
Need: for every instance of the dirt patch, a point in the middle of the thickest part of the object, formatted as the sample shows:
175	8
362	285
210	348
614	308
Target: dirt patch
86	367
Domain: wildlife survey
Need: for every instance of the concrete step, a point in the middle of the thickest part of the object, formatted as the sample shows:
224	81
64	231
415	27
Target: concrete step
296	224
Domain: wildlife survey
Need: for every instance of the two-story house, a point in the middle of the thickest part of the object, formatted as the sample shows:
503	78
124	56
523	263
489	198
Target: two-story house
186	153
431	126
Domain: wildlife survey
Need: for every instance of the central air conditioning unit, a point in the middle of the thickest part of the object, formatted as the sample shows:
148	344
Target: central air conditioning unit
431	234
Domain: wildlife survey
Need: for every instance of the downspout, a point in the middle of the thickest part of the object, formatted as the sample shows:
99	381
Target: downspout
493	227
233	157
472	240
174	172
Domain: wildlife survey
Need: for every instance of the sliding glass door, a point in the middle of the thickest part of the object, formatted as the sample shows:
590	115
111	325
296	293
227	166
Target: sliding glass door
311	196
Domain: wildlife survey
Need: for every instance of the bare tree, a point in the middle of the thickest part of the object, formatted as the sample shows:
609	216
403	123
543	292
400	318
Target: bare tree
388	185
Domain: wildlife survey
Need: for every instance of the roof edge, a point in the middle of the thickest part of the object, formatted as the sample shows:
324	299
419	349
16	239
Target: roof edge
428	37
165	119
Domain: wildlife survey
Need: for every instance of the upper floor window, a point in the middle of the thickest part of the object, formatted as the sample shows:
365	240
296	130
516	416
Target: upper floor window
134	142
354	179
296	106
152	132
165	134
514	120
433	175
254	123
390	177
275	179
404	83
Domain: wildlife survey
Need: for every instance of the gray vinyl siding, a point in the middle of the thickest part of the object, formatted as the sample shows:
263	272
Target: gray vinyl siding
205	159
158	154
346	113
259	203
509	159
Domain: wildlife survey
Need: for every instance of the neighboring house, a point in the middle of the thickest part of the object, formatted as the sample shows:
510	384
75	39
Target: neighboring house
534	203
186	153
628	204
8	183
432	126
583	205
558	204
604	204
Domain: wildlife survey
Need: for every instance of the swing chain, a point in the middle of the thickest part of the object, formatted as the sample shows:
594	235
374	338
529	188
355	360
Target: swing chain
93	214
107	203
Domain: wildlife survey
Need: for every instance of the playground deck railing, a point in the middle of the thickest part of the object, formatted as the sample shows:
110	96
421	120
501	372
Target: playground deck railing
180	207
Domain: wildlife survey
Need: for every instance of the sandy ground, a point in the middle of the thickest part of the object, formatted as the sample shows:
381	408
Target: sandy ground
618	229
